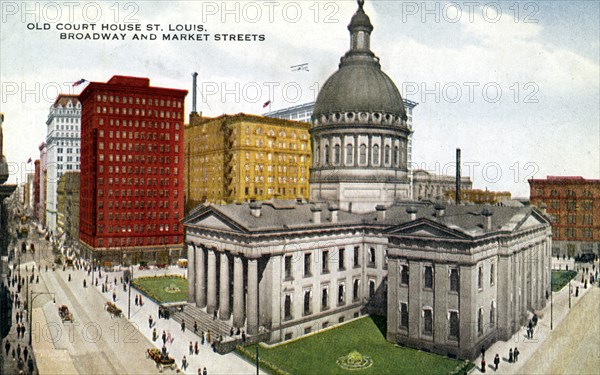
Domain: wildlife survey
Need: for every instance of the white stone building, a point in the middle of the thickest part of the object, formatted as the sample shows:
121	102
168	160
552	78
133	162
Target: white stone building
63	145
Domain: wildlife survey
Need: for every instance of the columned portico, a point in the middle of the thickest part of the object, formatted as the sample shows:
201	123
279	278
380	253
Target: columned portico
224	288
238	292
211	301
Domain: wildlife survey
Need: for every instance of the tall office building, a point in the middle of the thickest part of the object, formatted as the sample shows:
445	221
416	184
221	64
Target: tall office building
573	205
236	158
62	143
131	186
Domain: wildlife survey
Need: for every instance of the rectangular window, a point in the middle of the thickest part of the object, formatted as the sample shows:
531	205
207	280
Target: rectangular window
325	261
404	315
307	265
492	273
287	310
428	277
324	298
404	274
454	323
307	302
341	262
372	257
356	257
454	280
288	267
428	322
480	278
341	294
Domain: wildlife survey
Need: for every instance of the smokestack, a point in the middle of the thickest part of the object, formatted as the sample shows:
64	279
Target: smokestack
380	213
195	75
316	214
439	209
412	211
488	218
255	209
334	214
458	178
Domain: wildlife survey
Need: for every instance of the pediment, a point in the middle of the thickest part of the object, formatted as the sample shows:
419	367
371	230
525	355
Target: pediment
212	219
533	219
427	228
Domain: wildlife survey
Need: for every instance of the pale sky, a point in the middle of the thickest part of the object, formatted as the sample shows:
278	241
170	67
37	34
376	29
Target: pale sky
515	85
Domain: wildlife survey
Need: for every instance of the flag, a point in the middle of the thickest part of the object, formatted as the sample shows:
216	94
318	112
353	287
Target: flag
79	82
28	160
266	104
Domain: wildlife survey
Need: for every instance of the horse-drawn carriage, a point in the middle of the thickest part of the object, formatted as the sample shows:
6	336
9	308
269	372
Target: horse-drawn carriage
113	309
65	314
162	360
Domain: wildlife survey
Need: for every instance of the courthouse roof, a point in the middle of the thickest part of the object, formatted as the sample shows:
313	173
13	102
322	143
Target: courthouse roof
466	220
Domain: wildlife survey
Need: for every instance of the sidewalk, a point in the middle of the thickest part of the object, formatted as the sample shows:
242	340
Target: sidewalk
528	347
215	363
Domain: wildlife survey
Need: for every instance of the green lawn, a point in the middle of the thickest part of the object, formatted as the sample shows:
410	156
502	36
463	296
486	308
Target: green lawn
318	354
561	278
163	288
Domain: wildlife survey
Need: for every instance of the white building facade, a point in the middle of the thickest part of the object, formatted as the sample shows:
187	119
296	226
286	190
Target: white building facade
63	145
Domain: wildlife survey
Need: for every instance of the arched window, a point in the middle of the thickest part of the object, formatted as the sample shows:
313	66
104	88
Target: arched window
349	154
326	154
336	154
396	155
387	155
363	154
318	155
376	154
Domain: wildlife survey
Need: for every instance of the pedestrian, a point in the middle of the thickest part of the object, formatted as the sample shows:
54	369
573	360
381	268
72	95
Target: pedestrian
577	292
496	361
169	338
204	371
164	337
140	300
84	284
7	346
37	278
243	336
196	348
25	353
208	336
183	326
13	354
150	321
191	348
516	354
154	335
482	352
184	363
136	303
231	332
215	315
114	296
30	365
482	364
69	277
510	355
19	350
195	327
202	338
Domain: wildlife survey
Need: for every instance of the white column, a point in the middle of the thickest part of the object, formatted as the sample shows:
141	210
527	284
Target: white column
238	292
252	297
191	273
200	278
224	288
211	285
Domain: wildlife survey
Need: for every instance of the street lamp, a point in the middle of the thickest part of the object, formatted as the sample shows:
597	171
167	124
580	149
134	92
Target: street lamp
32	296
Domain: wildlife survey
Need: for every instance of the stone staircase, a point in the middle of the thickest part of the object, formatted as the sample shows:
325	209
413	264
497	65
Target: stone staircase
205	321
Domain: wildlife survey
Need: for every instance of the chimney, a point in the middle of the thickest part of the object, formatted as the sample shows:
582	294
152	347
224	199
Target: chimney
380	213
488	218
334	214
316	214
439	209
194	89
255	209
458	177
412	211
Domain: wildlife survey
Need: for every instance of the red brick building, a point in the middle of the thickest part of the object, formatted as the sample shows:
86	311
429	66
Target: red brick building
131	195
573	205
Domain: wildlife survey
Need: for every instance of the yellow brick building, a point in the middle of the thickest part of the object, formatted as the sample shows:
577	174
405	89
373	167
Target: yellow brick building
235	158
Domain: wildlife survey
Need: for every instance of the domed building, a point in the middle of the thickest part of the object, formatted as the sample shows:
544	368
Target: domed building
359	131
